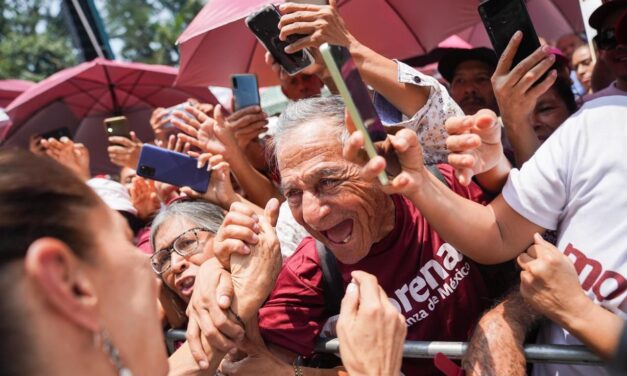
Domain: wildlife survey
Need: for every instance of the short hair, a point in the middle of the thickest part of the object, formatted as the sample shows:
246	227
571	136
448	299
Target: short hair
201	213
304	111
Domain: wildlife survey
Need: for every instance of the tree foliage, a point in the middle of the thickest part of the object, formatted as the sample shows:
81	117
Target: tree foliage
35	42
148	29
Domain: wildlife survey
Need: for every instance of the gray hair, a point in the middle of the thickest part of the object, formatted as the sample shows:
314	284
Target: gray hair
201	213
304	111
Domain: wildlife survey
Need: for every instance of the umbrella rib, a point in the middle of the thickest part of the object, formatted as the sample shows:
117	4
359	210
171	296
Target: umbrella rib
398	14
133	87
252	55
572	27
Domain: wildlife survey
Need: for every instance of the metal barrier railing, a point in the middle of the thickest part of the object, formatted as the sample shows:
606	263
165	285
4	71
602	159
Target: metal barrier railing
561	354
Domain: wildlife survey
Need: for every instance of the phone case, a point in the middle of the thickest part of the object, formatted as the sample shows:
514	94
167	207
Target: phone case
264	24
502	19
173	168
363	115
245	90
117	126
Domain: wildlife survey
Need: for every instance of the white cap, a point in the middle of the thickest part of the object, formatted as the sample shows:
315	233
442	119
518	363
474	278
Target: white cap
114	194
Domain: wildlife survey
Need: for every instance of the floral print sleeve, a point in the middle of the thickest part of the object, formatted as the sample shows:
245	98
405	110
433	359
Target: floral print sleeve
428	122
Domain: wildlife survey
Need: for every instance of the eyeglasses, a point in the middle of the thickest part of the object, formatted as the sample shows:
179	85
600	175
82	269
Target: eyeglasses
606	40
185	245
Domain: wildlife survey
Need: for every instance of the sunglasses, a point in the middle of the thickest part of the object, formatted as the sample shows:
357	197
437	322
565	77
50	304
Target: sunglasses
606	40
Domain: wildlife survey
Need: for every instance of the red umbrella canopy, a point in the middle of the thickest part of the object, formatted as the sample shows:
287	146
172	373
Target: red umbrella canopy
10	89
217	43
82	96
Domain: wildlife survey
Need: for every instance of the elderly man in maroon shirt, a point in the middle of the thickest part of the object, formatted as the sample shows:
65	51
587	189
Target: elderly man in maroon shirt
440	292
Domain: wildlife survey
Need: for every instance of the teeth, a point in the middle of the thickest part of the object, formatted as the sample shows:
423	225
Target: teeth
346	240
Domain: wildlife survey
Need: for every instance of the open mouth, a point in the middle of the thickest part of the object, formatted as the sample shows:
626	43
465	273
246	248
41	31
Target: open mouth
186	286
340	233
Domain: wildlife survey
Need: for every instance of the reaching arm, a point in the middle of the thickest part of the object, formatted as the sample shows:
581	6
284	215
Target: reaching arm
488	234
496	346
550	284
323	24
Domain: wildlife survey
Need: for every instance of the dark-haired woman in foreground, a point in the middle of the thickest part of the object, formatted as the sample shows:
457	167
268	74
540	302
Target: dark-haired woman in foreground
78	298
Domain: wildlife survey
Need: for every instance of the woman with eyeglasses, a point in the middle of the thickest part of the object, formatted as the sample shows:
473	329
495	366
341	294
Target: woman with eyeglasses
182	239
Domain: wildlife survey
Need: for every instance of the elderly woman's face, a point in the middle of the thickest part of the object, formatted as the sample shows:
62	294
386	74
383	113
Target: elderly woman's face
181	274
127	294
327	196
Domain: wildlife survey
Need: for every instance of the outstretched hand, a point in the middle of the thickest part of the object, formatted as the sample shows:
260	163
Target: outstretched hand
124	152
371	331
549	282
474	143
220	190
409	152
72	155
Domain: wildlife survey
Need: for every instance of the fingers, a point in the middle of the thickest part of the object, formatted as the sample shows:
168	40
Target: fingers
507	57
192	141
247	111
461	161
524	67
544	86
286	8
352	147
123	141
350	302
532	75
171	142
369	297
312	40
193	339
224	292
200	116
458	125
523	260
462	143
484	119
301	23
242	233
218	115
184	127
271	211
373	168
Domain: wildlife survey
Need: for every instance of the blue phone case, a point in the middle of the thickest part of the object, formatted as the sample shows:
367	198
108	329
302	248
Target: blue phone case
245	90
173	168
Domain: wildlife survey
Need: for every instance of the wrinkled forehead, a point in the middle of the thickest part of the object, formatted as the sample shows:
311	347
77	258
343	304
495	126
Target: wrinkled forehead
309	147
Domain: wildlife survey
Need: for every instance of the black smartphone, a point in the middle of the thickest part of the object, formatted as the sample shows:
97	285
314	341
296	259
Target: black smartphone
117	126
245	91
56	134
172	167
265	25
355	94
502	18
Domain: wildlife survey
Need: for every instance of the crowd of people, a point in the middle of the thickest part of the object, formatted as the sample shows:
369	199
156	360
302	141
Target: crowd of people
500	228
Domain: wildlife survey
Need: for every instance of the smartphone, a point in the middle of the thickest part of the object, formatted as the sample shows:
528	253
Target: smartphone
117	126
56	134
502	18
245	91
171	167
348	81
265	25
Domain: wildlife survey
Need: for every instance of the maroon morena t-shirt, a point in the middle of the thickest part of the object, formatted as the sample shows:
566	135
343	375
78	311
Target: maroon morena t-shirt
440	292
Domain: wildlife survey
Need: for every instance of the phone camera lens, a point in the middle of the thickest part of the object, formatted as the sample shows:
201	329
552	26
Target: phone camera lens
146	171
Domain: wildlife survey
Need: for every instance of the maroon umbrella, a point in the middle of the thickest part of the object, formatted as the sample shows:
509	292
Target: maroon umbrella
10	89
82	96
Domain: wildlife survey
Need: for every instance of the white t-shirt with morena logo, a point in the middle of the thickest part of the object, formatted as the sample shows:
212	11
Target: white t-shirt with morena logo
576	183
